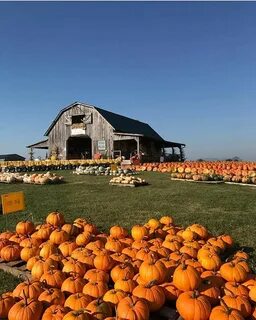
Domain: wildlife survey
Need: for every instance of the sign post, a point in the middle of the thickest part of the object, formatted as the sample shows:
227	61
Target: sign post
13	202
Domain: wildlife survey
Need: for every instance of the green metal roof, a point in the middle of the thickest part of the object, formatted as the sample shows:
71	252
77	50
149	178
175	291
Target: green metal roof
128	125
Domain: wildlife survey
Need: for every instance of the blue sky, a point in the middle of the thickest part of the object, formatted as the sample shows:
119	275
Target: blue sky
188	69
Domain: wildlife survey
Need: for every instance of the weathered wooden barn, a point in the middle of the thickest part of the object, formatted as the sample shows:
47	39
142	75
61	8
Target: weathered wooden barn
82	131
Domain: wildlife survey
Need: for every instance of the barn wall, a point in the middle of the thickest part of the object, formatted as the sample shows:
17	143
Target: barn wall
99	129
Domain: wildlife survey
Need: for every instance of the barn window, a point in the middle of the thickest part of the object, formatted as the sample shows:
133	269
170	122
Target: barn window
77	119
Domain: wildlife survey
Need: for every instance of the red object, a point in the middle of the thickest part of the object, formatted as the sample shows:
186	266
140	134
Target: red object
97	156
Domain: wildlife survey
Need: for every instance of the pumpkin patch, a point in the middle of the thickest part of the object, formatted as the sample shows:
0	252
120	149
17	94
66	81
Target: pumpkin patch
79	273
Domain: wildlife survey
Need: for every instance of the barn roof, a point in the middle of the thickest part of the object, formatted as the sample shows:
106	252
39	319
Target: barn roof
128	125
11	157
118	122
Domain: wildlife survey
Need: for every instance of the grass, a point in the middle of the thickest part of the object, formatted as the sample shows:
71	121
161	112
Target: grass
222	208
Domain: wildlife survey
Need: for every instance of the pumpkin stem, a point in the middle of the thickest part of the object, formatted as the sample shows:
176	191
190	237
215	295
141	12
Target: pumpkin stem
195	294
25	298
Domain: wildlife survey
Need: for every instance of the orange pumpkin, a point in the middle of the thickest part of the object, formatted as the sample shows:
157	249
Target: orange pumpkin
153	294
186	278
131	308
191	305
77	301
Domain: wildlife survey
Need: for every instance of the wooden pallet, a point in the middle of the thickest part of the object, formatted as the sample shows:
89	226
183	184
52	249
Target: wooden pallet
241	184
16	268
190	180
128	185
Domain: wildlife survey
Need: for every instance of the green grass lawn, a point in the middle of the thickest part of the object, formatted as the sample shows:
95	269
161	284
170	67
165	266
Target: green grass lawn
221	208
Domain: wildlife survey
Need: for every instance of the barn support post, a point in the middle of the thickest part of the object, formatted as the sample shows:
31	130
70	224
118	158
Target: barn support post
138	145
180	153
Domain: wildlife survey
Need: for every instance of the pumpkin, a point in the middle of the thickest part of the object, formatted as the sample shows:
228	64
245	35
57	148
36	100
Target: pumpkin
233	272
100	309
52	296
153	271
66	248
26	309
29	289
118	232
166	220
83	238
170	291
252	293
95	289
200	230
130	252
53	278
25	227
120	257
131	308
41	266
145	254
84	256
188	235
138	232
11	252
96	275
54	312
126	285
77	315
77	301
28	242
193	306
114	296
233	288
59	236
210	261
6	302
71	229
29	252
153	294
225	313
73	284
43	233
186	278
103	262
211	292
239	303
55	218
74	266
114	245
121	271
47	249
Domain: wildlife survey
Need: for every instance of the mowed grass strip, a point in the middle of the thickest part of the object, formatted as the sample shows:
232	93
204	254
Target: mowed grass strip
221	208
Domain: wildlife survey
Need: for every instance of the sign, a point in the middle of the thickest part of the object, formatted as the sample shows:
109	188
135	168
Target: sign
101	145
13	202
77	131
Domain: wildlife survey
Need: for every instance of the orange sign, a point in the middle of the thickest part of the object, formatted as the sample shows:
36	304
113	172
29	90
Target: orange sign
13	202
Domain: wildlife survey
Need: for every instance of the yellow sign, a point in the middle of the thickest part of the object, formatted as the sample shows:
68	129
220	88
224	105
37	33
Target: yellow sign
113	167
13	202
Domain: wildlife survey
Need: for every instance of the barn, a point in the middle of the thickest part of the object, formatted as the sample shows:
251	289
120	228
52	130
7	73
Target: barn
83	131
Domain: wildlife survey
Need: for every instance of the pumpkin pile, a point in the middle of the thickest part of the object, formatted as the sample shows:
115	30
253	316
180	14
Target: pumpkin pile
48	165
228	171
128	180
35	178
102	171
79	273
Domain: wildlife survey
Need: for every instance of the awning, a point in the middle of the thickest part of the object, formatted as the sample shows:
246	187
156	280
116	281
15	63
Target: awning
171	144
39	145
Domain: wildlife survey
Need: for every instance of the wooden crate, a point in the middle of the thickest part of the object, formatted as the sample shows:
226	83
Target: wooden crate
16	268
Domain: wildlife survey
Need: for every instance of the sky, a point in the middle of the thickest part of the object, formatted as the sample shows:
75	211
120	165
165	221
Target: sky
186	68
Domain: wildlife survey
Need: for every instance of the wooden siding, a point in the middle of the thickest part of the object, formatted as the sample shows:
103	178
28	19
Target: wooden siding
99	129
